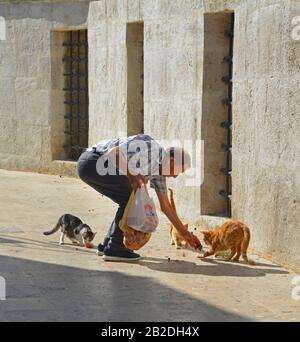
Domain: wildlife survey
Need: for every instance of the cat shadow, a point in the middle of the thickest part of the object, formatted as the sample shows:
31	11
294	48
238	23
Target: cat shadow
47	246
210	267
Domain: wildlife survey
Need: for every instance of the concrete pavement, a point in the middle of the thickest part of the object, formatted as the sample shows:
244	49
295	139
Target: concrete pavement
45	281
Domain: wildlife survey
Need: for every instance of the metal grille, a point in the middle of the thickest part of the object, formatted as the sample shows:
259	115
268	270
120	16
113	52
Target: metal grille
76	92
227	170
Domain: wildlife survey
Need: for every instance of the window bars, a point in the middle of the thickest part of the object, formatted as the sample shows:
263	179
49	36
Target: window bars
227	147
76	92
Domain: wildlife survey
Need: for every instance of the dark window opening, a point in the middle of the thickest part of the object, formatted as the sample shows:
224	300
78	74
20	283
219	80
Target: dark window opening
135	78
217	114
226	192
76	99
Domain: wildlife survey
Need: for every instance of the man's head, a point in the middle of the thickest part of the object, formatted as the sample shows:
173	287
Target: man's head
175	162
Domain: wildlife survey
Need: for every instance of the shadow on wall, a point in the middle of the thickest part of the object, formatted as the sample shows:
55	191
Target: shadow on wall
46	292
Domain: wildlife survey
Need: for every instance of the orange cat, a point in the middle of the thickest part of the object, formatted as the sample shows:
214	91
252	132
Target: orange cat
176	239
233	235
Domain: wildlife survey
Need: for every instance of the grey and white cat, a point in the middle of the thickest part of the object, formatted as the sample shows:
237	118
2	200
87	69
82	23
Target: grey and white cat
74	229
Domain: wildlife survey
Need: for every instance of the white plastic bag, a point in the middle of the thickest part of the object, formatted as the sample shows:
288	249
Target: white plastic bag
142	213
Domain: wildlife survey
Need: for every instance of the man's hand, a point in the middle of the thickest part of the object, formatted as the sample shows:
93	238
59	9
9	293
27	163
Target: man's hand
171	214
136	181
193	241
122	165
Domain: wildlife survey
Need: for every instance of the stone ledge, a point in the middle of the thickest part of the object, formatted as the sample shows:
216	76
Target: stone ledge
64	168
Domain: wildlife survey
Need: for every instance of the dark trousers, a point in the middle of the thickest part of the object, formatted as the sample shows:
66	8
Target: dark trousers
117	188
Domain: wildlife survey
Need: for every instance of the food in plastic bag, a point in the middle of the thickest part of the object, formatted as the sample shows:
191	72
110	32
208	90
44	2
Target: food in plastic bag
133	239
142	213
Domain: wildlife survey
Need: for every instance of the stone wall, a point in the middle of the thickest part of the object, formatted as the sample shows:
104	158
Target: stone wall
28	82
172	79
266	155
265	118
108	66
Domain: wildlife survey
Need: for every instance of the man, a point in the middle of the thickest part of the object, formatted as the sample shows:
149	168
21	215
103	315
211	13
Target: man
116	166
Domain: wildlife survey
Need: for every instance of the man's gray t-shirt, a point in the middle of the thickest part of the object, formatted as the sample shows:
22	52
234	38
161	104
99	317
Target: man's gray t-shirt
145	150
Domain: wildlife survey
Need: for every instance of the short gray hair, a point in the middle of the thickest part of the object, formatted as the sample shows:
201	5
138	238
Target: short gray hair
180	155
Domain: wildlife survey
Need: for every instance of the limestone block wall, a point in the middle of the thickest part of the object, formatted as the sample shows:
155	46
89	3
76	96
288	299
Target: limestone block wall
266	154
27	81
172	73
173	82
266	68
108	66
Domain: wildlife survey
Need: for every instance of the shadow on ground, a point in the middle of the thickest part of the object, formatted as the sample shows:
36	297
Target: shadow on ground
207	267
42	291
211	267
31	244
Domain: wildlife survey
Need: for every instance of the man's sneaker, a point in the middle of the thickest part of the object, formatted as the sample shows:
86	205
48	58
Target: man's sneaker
100	249
125	256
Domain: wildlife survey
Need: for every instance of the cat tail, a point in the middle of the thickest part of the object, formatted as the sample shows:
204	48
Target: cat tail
55	229
172	199
245	245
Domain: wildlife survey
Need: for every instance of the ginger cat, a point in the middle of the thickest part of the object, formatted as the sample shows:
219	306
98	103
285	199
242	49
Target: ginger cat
176	239
233	235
